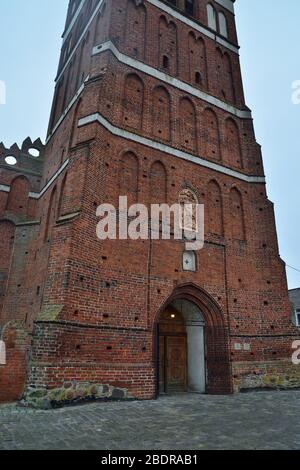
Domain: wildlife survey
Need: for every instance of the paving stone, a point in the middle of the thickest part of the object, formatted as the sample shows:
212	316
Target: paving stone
263	420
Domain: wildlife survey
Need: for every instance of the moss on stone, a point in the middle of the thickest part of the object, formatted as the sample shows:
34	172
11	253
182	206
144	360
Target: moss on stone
50	313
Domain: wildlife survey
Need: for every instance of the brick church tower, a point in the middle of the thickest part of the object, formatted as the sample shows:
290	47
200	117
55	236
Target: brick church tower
148	103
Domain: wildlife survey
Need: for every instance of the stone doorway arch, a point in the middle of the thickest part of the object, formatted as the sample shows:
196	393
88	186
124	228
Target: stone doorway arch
197	317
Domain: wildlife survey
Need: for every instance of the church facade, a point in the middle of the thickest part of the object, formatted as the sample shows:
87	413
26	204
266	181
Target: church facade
148	104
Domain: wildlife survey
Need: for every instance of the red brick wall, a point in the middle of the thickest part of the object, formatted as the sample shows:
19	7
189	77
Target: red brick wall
18	284
168	36
7	233
108	294
13	375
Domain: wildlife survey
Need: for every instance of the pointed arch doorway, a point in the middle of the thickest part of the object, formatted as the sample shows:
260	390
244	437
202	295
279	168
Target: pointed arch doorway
182	365
192	344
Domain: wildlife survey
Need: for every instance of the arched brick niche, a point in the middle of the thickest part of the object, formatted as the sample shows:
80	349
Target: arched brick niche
218	366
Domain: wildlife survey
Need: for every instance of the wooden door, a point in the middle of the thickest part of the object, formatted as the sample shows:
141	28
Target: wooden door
176	363
162	365
172	364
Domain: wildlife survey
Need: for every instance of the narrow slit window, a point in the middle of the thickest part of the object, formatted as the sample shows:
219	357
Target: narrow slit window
297	313
211	17
166	62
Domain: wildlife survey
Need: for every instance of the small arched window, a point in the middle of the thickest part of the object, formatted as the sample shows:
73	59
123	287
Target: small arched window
223	25
198	78
189	7
189	262
211	17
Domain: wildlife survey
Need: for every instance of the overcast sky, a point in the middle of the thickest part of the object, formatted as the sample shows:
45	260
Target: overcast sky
269	36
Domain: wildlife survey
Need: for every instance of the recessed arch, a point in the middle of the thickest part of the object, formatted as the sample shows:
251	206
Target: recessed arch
51	215
7	237
168	45
18	196
136	19
99	35
228	83
211	135
211	310
158	183
133	101
197	60
80	70
218	368
76	116
219	74
232	149
237	214
62	196
129	176
215	209
188	124
55	113
161	114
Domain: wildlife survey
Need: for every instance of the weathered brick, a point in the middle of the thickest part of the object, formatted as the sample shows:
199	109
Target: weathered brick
87	310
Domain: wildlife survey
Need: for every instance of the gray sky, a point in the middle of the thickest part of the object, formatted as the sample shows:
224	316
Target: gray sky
269	35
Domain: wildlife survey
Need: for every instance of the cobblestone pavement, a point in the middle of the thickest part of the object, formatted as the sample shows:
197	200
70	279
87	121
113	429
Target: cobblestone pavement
248	421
